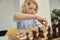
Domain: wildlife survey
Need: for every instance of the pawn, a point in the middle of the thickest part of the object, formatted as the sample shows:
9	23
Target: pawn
27	36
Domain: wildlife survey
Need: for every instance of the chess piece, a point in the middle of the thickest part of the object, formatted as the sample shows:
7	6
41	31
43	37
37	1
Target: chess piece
49	35
35	35
59	28
54	30
40	33
27	36
54	33
57	35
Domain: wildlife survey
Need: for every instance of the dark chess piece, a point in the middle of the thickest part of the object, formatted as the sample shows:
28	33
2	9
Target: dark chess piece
49	35
59	28
57	35
54	33
34	35
54	30
27	36
59	32
40	33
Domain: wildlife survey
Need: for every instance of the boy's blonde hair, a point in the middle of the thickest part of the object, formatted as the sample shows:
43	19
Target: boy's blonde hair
26	3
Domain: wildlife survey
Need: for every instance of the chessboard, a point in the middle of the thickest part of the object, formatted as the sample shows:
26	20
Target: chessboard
29	34
37	33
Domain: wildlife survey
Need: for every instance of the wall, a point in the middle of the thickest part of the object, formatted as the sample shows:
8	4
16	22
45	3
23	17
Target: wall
54	4
7	9
44	10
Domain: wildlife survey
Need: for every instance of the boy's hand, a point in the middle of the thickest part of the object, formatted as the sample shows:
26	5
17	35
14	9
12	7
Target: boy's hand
42	20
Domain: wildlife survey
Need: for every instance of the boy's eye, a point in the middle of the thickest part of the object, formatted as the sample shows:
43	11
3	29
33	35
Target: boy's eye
32	8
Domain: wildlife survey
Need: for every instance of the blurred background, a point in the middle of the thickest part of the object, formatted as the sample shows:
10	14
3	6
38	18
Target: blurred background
8	8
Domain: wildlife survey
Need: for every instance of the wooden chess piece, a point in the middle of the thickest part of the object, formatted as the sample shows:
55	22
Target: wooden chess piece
59	28
40	33
57	35
54	30
49	35
34	35
27	36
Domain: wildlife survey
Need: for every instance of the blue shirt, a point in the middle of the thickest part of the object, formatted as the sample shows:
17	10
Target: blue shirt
31	23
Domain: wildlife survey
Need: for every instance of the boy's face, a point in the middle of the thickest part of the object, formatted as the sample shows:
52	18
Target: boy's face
31	8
